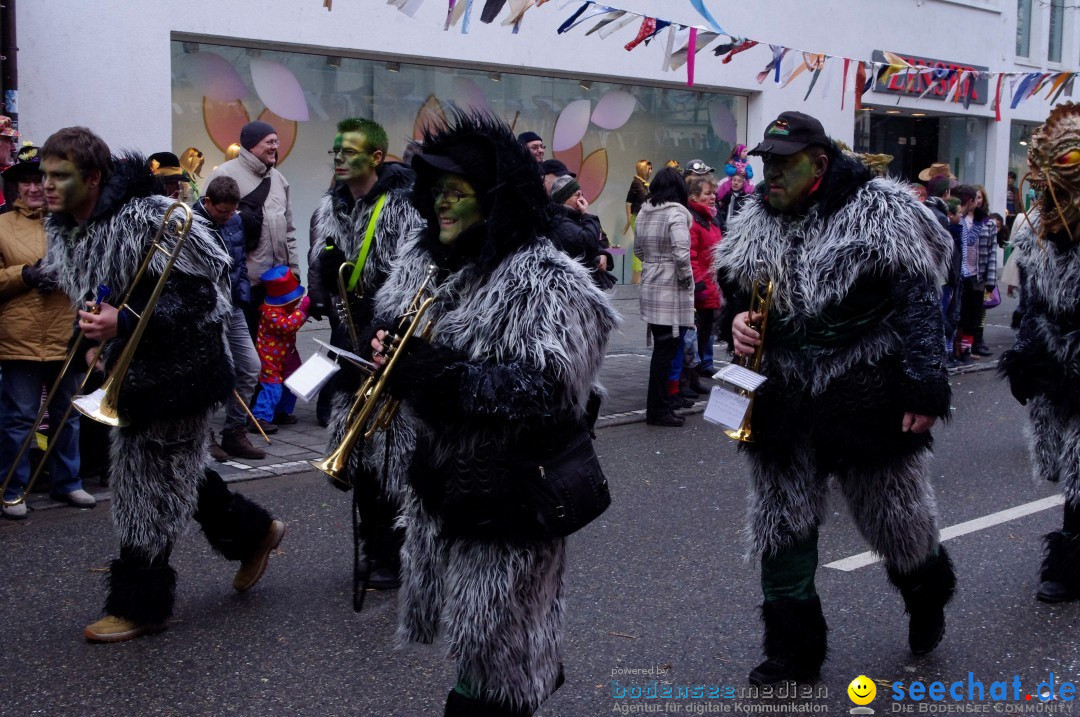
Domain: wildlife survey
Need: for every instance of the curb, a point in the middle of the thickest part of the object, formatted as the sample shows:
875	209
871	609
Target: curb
246	473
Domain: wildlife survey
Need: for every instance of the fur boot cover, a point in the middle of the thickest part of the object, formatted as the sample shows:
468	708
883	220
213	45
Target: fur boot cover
926	590
854	338
234	526
1062	561
524	329
458	705
795	641
141	591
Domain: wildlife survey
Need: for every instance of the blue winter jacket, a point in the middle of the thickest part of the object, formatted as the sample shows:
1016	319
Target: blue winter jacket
232	235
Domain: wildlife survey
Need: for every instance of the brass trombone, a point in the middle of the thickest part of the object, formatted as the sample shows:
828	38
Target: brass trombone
367	415
101	405
761	293
102	295
345	312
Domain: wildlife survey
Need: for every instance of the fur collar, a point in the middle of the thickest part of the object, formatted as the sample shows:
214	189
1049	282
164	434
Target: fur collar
1051	268
110	246
816	258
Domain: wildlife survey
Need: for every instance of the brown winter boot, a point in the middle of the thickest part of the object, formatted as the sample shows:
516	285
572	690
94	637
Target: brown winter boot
216	451
235	442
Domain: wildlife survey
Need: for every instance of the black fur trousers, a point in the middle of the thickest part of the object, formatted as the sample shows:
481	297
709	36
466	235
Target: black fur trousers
142	588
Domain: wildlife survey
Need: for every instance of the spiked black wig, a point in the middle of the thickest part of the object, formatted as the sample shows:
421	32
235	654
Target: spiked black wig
483	149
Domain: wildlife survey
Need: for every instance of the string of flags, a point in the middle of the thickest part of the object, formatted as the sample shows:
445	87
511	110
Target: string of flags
683	43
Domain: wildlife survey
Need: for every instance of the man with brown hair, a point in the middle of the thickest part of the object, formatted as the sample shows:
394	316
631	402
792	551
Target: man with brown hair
218	207
104	217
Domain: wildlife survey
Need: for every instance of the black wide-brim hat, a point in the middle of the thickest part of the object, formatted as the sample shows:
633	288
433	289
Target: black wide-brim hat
28	161
792	132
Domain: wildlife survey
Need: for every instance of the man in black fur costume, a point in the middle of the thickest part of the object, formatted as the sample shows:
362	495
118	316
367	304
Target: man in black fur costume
1042	366
853	359
518	337
104	216
362	219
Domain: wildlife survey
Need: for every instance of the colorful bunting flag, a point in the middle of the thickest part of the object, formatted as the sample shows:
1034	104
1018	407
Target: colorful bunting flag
699	5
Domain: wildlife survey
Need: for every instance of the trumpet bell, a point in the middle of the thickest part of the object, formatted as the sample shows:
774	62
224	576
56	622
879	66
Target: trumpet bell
742	434
334	466
93	405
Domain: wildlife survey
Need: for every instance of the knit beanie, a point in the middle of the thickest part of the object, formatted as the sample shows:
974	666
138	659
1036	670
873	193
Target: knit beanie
253	133
563	188
526	137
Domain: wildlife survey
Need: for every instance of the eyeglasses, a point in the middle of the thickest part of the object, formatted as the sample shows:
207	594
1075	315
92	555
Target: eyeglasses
348	154
537	146
450	196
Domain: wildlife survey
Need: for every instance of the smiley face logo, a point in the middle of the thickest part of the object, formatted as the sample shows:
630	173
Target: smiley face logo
862	690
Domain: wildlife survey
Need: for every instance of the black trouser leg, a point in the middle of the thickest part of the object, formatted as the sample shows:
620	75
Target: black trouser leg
233	525
141	589
382	541
665	345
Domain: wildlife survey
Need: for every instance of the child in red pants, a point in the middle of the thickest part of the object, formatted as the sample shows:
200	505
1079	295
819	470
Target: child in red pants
282	313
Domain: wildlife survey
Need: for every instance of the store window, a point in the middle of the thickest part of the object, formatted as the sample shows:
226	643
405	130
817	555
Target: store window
1023	28
604	128
1057	30
1019	141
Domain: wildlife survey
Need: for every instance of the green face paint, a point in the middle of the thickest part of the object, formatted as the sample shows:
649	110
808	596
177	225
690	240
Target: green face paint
789	179
456	206
66	190
352	161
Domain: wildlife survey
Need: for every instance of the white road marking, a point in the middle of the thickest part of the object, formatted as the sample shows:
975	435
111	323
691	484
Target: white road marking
953	531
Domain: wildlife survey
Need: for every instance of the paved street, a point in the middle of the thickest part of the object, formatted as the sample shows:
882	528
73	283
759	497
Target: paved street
658	580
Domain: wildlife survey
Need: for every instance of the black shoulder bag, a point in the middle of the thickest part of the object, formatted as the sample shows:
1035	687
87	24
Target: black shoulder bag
251	213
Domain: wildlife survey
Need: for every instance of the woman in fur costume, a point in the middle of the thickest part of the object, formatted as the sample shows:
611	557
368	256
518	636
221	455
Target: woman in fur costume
519	335
104	215
1042	365
852	355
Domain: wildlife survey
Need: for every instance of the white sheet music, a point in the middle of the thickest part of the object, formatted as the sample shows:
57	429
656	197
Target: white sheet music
312	375
739	376
726	408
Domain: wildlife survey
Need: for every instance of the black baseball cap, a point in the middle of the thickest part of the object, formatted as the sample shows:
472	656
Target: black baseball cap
556	167
792	132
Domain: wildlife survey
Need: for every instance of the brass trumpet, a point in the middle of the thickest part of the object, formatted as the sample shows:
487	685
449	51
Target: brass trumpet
367	415
760	303
101	404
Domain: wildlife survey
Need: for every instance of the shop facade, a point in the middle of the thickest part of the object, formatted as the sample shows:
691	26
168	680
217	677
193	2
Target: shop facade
174	80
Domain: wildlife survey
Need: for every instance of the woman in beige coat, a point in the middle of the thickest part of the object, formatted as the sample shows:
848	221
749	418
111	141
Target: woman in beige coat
35	326
662	242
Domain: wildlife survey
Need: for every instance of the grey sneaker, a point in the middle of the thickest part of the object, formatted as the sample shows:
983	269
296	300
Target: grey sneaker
15	512
78	498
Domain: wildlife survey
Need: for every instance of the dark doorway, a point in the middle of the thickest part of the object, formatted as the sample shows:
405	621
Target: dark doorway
912	141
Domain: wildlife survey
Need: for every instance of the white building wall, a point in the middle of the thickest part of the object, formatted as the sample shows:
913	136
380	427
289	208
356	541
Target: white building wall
106	64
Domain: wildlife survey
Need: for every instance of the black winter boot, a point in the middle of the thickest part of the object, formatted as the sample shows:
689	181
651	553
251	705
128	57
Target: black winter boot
1061	566
693	381
458	705
926	590
795	641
